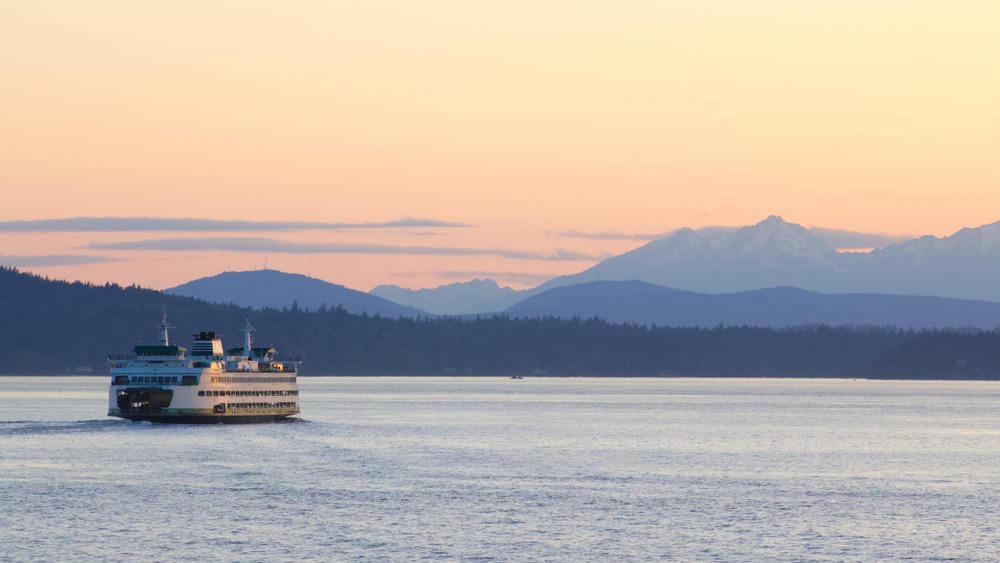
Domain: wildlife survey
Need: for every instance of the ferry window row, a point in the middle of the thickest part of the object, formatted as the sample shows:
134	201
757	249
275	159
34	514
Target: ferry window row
238	393
245	379
153	379
232	407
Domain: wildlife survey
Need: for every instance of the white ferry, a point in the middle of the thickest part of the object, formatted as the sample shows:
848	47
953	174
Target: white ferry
162	384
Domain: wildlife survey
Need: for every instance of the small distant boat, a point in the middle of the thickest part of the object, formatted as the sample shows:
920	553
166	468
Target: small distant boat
517	377
162	383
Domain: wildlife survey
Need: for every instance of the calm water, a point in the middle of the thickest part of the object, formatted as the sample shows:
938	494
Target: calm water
500	470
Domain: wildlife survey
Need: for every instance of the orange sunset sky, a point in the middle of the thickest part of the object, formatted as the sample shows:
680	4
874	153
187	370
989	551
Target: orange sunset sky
422	143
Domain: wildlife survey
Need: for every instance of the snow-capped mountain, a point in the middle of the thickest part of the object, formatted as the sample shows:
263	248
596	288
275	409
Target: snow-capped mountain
768	254
965	265
772	253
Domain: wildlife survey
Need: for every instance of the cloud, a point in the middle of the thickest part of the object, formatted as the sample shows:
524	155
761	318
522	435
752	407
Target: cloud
140	224
838	238
254	244
52	260
615	235
607	235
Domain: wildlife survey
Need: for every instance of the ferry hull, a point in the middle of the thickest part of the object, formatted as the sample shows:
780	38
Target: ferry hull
204	418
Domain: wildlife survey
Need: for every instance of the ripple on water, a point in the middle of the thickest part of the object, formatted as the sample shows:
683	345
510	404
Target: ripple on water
582	470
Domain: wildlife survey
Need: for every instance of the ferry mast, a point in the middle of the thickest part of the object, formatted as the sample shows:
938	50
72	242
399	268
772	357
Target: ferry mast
247	338
165	329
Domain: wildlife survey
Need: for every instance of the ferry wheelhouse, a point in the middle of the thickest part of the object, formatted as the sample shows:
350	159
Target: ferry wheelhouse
163	383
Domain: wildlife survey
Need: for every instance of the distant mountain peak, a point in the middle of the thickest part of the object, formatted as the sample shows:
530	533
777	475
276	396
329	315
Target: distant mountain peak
477	283
778	240
772	242
473	296
268	288
774	225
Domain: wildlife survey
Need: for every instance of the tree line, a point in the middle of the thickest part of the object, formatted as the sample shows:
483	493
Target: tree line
56	327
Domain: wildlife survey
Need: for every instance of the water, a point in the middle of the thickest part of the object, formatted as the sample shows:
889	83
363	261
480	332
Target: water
466	469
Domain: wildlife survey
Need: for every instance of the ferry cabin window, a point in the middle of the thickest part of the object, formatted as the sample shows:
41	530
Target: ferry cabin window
224	393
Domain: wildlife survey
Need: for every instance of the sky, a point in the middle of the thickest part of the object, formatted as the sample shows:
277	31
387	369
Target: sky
421	143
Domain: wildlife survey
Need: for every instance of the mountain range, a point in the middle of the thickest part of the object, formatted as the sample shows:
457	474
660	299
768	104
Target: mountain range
965	265
462	298
773	273
630	301
777	307
772	253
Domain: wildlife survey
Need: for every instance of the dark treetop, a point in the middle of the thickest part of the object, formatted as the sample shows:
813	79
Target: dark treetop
53	327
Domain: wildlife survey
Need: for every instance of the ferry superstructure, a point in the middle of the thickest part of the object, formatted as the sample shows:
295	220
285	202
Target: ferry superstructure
163	383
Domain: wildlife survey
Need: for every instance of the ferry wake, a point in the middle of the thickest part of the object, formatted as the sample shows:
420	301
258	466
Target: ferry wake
162	383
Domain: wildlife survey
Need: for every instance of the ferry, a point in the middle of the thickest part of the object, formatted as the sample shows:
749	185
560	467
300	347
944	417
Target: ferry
163	383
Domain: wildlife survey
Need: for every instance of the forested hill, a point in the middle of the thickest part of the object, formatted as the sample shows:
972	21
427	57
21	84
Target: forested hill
54	327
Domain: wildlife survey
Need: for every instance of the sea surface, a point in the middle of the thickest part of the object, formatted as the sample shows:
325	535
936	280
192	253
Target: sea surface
494	469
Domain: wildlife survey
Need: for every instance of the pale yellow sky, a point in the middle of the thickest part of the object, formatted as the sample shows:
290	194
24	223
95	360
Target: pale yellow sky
507	122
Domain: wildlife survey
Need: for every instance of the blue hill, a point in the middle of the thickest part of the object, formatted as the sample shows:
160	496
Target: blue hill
644	303
273	289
